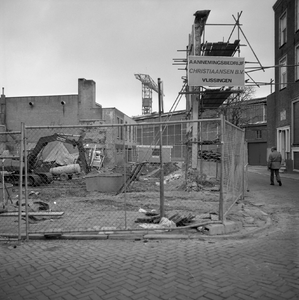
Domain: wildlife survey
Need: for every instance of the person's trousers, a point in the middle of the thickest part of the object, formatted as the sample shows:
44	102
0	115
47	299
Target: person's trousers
276	173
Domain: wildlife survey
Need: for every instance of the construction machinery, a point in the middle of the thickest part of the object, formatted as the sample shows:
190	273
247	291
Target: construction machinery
38	172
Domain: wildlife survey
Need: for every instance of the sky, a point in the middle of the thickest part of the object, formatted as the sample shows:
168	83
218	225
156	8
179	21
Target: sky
46	45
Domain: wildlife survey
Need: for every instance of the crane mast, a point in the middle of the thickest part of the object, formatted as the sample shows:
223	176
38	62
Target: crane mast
148	85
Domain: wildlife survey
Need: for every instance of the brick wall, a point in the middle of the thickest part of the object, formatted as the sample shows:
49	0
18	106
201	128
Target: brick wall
52	110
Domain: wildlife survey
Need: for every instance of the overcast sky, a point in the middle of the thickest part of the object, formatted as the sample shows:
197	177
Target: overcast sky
46	45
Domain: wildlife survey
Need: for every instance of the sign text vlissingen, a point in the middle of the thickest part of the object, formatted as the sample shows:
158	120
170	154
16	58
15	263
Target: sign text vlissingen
215	71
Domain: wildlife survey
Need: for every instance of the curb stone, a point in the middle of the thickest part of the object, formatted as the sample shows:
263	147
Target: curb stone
147	236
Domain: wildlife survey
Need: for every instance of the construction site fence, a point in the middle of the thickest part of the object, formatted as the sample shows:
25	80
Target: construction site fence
112	177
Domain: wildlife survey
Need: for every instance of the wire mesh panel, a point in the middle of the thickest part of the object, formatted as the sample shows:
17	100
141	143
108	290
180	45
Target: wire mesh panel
10	149
233	165
209	152
94	178
188	193
127	176
79	171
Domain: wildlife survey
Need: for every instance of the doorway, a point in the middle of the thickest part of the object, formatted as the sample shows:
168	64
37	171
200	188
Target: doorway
257	154
283	141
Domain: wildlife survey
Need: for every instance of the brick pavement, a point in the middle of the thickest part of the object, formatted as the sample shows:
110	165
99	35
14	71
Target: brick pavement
264	267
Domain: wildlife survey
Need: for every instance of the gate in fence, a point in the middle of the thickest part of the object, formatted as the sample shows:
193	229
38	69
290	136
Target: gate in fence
95	178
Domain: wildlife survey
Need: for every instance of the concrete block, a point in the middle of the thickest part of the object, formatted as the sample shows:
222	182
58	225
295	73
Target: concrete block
215	229
105	183
232	226
225	228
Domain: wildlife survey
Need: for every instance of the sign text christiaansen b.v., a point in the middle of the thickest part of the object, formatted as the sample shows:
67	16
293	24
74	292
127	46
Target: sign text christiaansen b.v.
215	71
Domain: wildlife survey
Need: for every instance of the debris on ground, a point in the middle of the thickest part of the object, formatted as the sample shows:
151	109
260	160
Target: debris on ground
170	177
164	222
196	182
153	169
177	219
148	213
182	220
41	208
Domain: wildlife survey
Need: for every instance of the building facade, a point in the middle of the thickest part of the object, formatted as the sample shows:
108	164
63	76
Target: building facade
51	110
251	115
254	116
121	140
173	135
283	104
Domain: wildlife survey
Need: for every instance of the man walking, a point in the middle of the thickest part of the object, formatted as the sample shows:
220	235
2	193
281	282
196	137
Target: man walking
274	163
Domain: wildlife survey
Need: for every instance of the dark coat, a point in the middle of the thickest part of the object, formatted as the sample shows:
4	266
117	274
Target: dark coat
274	160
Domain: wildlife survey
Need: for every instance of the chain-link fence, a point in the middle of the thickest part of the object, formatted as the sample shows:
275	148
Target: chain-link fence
120	177
11	170
234	162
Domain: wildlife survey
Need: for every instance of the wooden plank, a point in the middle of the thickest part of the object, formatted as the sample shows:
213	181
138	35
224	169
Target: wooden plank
33	213
136	171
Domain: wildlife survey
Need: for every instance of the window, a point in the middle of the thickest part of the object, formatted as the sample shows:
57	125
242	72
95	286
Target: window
283	29
126	133
118	128
295	112
121	130
258	134
283	140
283	73
264	113
120	134
296	15
297	62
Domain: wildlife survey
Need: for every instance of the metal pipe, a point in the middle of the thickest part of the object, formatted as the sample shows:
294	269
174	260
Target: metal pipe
20	183
3	184
161	152
128	125
26	184
125	173
221	200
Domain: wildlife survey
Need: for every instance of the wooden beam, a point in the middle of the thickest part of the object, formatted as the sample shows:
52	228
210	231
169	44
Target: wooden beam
33	213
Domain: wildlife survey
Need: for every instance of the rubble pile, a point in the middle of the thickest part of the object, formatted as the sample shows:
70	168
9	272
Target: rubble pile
177	220
196	182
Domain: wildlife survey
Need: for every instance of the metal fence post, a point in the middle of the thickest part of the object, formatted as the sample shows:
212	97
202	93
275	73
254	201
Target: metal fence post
243	167
125	171
221	200
162	211
26	181
20	183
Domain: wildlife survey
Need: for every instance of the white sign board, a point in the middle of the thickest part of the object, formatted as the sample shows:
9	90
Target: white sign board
215	71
